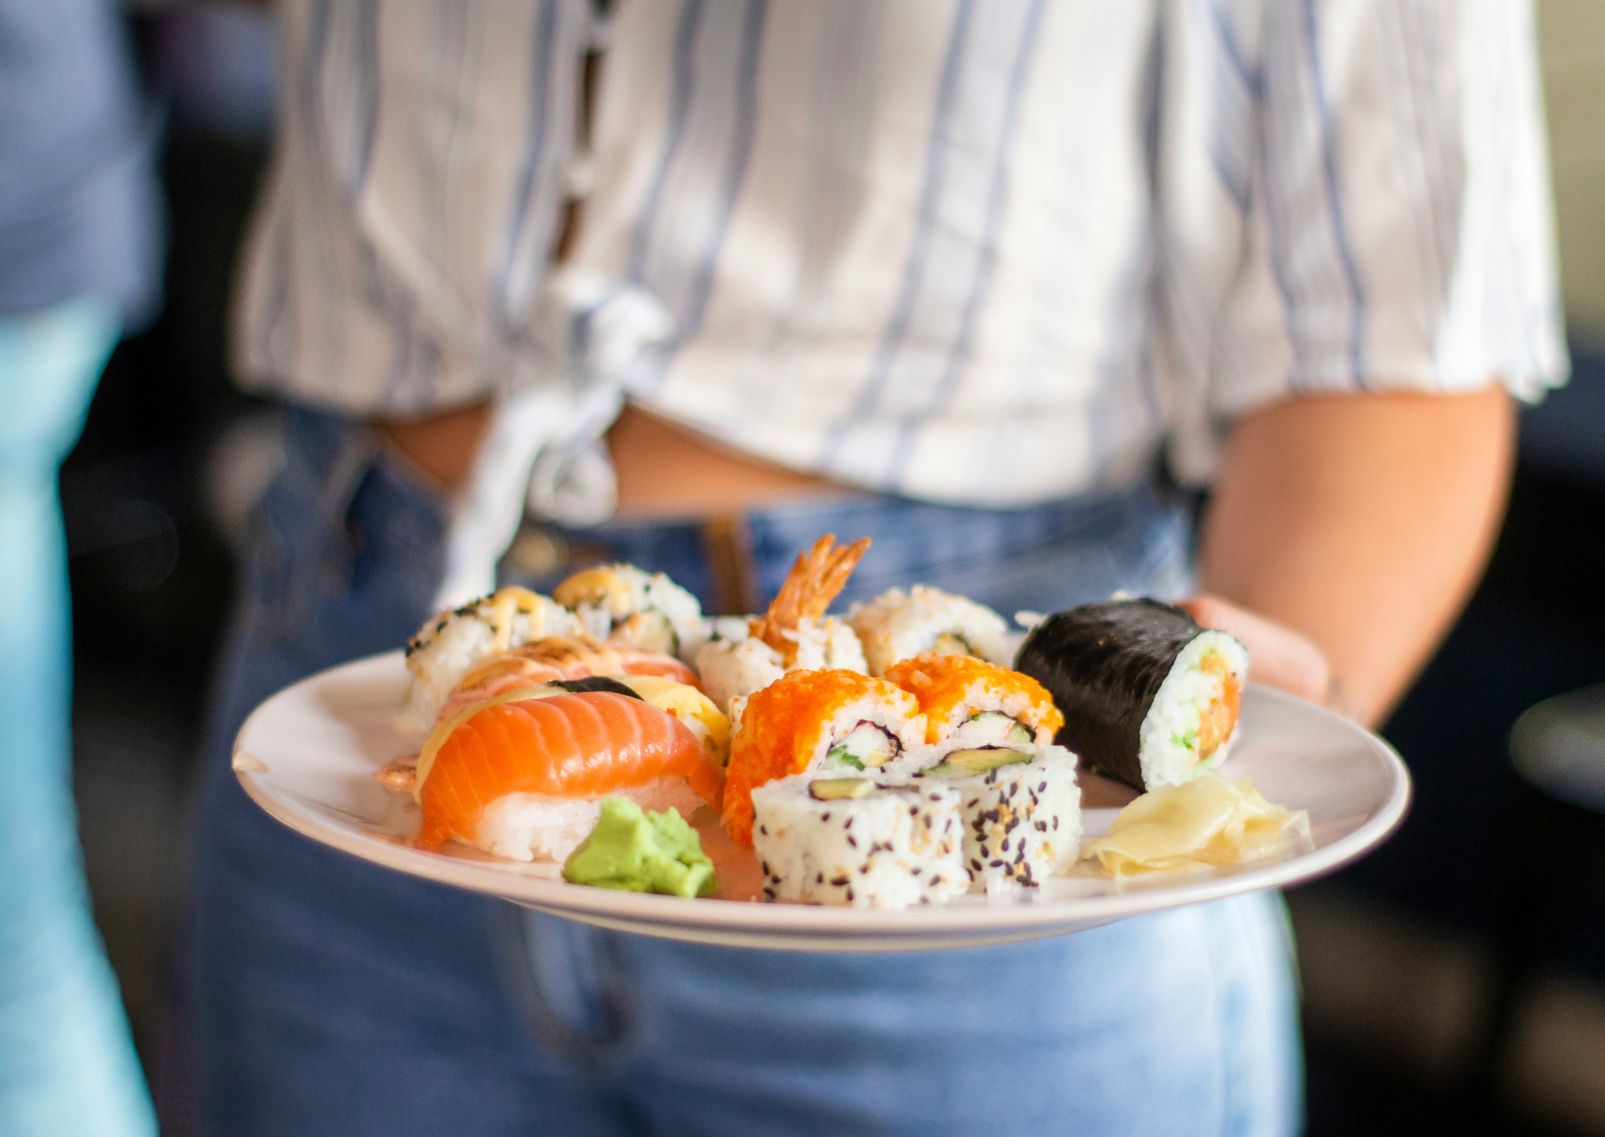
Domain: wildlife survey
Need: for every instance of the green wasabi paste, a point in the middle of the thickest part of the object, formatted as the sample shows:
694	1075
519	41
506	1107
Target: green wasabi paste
637	851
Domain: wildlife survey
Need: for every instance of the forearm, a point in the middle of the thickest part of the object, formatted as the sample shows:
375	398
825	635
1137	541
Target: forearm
1362	521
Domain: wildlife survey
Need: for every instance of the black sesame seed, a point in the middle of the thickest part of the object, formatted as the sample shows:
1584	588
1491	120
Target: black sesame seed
849	895
853	841
825	816
915	871
996	864
838	881
765	866
975	865
1042	788
764	830
849	824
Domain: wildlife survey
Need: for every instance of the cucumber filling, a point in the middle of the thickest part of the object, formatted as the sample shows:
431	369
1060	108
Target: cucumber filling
992	728
865	747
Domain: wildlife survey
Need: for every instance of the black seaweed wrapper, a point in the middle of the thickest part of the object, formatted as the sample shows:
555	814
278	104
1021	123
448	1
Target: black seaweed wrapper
1103	664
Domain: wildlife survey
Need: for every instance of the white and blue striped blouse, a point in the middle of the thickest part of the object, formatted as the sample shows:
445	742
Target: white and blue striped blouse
987	251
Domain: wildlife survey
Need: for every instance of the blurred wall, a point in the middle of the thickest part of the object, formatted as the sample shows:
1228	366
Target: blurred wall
1572	41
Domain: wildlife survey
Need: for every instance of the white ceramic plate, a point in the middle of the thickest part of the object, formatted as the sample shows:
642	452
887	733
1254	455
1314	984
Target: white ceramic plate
308	755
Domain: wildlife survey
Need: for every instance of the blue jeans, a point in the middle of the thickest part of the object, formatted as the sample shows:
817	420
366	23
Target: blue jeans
329	996
67	1064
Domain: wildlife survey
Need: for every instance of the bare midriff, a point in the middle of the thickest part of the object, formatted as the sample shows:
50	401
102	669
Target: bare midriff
664	470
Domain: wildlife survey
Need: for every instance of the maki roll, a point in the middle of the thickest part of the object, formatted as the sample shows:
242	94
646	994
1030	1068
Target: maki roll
834	723
897	624
1149	697
858	841
453	642
793	633
1021	812
968	702
629	605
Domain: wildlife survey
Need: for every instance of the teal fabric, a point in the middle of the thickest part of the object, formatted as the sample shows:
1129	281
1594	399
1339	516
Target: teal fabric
67	1063
79	211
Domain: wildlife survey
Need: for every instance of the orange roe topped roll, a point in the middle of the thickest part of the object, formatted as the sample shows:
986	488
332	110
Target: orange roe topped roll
816	720
968	702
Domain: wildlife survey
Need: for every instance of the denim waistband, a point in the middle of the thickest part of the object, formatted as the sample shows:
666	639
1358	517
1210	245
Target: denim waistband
1142	530
1137	537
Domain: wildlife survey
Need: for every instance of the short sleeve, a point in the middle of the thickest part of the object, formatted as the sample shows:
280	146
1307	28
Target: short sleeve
1352	195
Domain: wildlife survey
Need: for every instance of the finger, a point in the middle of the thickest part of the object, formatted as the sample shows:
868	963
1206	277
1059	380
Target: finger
1278	656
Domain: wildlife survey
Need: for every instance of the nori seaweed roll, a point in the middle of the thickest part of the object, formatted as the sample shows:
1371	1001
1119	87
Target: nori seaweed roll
1149	697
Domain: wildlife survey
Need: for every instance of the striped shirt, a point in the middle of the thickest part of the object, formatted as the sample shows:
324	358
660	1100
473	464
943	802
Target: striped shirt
984	252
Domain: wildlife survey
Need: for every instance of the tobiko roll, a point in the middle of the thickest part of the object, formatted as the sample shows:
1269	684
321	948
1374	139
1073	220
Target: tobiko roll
838	722
1149	697
968	702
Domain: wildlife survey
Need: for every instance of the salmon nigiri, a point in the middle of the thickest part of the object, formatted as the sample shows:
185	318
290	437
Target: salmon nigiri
523	778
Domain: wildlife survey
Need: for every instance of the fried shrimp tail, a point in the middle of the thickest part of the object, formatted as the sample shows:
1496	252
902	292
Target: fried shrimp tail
815	579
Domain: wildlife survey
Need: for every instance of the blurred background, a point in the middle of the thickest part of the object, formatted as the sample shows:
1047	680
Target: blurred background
1400	954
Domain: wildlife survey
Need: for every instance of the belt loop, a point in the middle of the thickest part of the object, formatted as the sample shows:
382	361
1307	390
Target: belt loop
732	575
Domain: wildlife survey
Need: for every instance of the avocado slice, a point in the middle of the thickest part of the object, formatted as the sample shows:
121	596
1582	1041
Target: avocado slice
836	789
962	763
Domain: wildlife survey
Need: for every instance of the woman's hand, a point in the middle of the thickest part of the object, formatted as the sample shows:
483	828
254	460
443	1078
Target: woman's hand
1278	656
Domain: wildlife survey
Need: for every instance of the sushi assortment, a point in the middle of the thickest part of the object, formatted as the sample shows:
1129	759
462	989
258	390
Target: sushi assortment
898	755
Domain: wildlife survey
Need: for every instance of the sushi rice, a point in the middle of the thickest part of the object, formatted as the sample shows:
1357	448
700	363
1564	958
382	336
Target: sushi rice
628	604
897	624
1021	819
450	643
1169	734
734	667
895	845
527	827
